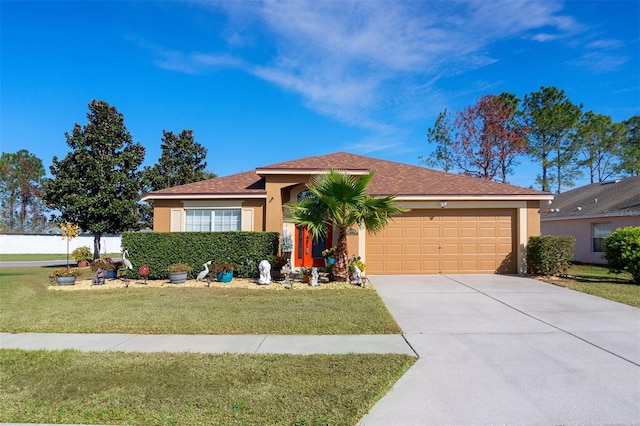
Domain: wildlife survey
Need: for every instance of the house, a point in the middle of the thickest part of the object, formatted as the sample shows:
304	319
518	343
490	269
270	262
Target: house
592	212
457	224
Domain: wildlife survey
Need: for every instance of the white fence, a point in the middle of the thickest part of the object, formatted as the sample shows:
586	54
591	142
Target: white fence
54	244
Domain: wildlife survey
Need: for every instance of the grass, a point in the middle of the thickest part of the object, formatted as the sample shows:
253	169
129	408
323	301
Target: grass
598	281
28	306
170	389
33	257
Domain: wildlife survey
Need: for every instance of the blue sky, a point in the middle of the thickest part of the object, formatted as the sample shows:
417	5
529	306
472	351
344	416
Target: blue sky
264	82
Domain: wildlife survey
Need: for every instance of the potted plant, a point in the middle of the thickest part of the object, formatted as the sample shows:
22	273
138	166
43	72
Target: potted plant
65	276
223	271
305	274
356	261
178	272
82	255
328	255
107	265
277	262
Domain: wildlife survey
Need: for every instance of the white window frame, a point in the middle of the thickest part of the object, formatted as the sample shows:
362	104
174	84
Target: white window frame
599	235
216	221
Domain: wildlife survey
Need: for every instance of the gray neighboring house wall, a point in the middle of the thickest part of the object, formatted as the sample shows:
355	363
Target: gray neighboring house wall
592	212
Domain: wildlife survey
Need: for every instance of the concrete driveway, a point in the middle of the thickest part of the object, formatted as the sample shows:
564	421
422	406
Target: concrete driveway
498	349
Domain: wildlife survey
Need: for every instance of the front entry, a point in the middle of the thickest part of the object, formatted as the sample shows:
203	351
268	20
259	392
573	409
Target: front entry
309	252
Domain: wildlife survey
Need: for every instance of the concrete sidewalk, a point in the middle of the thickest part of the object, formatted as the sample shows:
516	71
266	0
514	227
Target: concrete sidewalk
253	344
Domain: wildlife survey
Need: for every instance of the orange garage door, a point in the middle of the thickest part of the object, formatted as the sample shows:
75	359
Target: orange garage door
444	241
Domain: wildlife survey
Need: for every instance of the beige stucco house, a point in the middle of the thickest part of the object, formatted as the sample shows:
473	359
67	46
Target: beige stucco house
456	224
592	212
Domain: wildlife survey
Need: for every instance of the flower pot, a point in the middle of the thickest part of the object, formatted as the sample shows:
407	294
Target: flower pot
82	263
329	261
66	279
306	279
224	277
177	277
110	274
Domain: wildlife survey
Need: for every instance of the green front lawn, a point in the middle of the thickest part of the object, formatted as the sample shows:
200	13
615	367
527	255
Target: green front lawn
186	389
597	280
28	306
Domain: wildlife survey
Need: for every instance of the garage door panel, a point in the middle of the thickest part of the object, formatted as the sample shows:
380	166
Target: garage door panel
444	241
393	249
410	249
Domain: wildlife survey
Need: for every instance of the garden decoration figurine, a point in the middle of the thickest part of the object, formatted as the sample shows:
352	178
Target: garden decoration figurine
314	277
126	262
356	276
265	272
204	273
98	279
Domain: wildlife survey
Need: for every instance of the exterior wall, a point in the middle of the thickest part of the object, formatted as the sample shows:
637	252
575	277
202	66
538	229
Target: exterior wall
162	214
257	206
54	244
164	209
581	229
278	193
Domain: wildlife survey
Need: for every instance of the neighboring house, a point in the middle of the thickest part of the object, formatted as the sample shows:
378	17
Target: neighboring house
592	212
457	224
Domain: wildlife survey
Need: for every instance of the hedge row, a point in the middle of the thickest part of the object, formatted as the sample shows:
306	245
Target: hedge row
550	254
159	249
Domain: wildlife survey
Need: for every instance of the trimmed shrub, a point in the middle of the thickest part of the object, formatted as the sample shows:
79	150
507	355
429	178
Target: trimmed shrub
244	250
550	254
622	251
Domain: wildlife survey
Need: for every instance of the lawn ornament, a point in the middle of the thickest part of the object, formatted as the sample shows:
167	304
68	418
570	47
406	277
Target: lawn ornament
126	262
265	272
204	273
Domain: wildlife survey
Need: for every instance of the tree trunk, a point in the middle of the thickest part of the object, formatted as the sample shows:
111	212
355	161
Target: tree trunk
96	245
339	269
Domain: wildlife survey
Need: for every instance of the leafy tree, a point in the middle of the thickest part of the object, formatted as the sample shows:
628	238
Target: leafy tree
441	134
598	138
182	161
97	185
629	153
342	200
21	178
551	118
489	137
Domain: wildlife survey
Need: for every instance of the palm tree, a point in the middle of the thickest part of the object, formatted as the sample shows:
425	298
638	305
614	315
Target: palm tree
341	200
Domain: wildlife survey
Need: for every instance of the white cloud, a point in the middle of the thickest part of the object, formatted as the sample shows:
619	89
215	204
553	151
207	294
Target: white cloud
352	60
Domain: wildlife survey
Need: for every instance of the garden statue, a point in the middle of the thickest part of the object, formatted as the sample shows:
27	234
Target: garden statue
126	262
204	273
314	277
265	272
98	279
356	276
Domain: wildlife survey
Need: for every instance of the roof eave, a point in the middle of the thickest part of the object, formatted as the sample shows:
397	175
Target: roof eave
200	196
541	197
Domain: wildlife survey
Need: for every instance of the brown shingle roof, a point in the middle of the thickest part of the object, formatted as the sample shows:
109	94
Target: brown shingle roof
390	178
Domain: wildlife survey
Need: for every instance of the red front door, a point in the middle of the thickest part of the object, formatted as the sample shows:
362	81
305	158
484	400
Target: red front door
309	252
